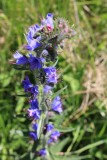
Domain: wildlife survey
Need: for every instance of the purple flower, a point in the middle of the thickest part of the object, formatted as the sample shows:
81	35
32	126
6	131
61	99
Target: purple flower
48	22
49	127
51	75
30	34
33	43
33	90
57	105
20	59
35	63
47	89
34	104
32	30
28	86
45	53
38	28
35	126
49	19
42	152
54	136
33	135
34	111
43	60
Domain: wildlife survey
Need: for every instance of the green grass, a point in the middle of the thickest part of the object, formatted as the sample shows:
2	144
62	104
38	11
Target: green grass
84	121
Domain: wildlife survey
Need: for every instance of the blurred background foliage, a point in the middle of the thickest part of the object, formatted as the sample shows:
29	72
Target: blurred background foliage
83	69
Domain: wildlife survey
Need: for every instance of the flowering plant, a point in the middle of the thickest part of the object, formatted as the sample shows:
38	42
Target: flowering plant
43	42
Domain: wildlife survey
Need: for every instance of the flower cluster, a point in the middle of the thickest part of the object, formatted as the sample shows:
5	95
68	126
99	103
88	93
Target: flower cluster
42	44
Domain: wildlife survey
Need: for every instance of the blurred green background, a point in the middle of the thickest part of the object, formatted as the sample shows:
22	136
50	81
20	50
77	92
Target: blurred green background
83	69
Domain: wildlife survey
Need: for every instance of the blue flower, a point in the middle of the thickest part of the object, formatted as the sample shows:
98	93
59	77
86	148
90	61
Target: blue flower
30	34
28	86
33	43
32	30
47	89
51	76
43	60
33	135
35	126
48	22
54	136
49	19
44	53
34	104
34	111
20	59
49	127
26	83
38	28
35	63
57	105
42	152
33	90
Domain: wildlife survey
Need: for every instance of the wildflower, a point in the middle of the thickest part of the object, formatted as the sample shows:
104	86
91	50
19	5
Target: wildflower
51	76
44	53
42	60
32	30
33	90
42	152
34	111
47	88
33	135
49	127
35	63
54	136
34	104
57	105
20	59
44	40
28	86
49	19
48	22
32	42
35	126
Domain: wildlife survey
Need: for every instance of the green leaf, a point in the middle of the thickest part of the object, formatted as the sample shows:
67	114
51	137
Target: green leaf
87	147
57	148
40	125
56	62
65	130
20	104
24	95
72	157
74	83
59	92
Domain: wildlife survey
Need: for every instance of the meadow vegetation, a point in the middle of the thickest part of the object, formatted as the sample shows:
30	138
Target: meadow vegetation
83	72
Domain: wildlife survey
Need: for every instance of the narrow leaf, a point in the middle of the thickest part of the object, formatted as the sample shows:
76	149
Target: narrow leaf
40	125
59	92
